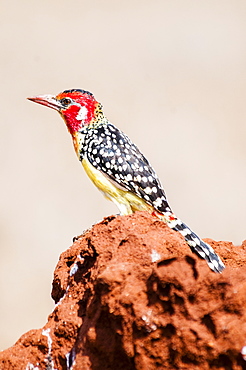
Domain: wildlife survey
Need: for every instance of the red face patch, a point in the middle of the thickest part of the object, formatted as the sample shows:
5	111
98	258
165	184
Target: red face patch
81	112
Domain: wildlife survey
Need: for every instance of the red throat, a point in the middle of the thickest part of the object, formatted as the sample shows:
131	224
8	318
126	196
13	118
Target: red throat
69	115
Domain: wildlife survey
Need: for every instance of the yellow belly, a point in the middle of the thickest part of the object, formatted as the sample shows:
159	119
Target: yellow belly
126	201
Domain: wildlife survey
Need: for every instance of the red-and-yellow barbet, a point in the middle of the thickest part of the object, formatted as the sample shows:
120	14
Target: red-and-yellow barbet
117	167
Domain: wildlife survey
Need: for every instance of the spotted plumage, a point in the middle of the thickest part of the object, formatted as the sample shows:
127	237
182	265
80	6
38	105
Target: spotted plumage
109	150
117	167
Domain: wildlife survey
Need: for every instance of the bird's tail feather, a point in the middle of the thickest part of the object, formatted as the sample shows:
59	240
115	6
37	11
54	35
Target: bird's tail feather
197	245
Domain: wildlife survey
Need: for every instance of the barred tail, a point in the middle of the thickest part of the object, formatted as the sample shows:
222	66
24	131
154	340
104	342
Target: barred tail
198	246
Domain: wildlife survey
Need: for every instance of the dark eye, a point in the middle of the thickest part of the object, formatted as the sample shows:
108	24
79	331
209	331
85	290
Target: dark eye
66	101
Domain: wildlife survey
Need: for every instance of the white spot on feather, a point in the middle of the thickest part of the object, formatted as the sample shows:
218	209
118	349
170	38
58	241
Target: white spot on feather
158	203
148	190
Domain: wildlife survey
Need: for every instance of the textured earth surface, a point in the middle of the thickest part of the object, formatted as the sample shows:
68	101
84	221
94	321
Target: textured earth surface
130	294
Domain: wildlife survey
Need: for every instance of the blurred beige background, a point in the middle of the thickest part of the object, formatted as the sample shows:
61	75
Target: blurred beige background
170	73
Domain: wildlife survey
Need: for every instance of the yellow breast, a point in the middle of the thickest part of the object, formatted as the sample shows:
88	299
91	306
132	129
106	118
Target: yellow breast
126	201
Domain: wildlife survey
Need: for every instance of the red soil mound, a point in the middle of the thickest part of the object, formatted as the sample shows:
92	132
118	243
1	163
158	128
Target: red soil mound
130	295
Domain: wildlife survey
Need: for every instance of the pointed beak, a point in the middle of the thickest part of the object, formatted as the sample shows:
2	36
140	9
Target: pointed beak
47	100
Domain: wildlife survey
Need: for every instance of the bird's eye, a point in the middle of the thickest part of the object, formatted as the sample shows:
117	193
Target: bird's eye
66	101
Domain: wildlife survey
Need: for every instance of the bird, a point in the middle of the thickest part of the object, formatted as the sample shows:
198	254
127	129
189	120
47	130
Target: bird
117	167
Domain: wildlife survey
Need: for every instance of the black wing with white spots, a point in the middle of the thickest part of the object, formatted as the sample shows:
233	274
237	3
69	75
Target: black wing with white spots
109	150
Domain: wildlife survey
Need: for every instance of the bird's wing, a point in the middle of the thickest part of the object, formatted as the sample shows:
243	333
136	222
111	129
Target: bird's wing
113	153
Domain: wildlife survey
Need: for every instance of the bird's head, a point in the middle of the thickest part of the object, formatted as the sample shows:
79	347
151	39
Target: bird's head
77	107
